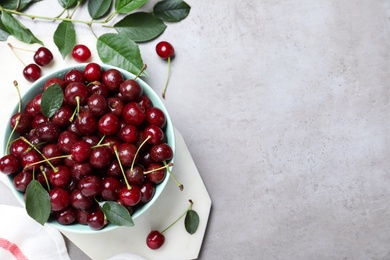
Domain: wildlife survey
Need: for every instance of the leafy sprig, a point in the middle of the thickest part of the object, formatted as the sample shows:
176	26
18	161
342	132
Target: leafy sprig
119	47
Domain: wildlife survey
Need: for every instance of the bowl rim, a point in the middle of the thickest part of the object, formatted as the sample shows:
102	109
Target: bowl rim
37	87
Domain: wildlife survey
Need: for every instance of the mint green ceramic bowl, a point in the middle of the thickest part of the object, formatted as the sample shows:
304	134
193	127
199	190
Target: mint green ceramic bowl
37	87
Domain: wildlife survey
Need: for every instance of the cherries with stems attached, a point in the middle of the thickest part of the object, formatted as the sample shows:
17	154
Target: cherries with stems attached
165	50
156	239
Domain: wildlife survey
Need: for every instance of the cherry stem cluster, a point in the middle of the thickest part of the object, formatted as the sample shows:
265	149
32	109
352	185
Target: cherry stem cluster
185	212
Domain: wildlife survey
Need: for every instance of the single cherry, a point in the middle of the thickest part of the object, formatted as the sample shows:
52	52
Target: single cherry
165	50
32	72
155	239
43	56
81	53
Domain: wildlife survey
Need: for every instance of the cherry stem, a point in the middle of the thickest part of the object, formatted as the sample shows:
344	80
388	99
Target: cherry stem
12	49
181	186
121	167
45	176
140	72
167	80
18	48
20	97
10	136
77	109
160	168
136	153
36	149
185	212
46	160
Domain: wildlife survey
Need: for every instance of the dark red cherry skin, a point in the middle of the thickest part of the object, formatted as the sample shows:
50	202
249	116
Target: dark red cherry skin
147	191
76	89
60	177
18	147
86	123
79	201
37	120
165	49
133	114
110	188
98	87
22	180
73	75
128	133
62	116
96	219
108	124
54	80
115	104
112	78
155	174
48	131
30	110
93	72
9	164
155	116
100	157
52	150
90	185
59	198
155	134
126	153
81	53
80	151
130	197
97	105
135	176
161	152
32	72
82	216
30	157
145	102
155	240
66	139
130	90
79	170
43	56
21	122
37	100
67	216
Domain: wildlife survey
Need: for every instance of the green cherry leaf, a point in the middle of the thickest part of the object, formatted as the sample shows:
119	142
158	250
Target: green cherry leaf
127	6
171	10
191	222
117	214
37	202
18	30
99	8
67	3
140	27
65	37
119	50
52	99
17	5
4	33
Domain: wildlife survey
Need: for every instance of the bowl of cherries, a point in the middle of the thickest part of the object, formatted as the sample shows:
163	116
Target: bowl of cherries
88	148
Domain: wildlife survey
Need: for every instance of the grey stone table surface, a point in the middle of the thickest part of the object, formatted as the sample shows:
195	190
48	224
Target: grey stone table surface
284	106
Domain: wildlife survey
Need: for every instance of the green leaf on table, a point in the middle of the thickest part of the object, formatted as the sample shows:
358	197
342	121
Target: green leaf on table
14	5
98	8
127	6
4	33
65	37
117	214
171	10
37	202
140	26
191	222
67	3
119	50
52	99
18	30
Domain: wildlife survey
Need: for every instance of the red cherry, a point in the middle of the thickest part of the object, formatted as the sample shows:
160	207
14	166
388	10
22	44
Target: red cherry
81	53
43	56
32	72
155	239
165	49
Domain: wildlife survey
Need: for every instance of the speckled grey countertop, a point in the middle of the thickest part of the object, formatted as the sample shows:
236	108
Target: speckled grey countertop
285	108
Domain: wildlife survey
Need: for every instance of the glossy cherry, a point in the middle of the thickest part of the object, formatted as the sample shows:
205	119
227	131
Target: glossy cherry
81	53
32	72
43	56
155	239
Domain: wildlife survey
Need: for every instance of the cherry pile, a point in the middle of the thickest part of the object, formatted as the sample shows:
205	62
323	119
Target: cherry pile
106	130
